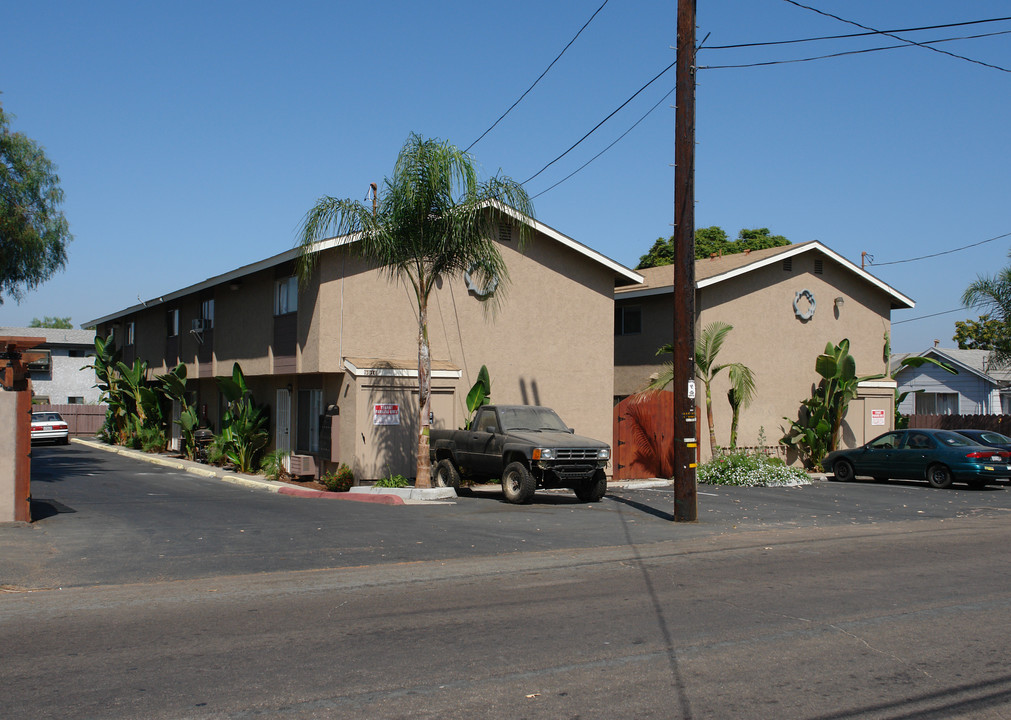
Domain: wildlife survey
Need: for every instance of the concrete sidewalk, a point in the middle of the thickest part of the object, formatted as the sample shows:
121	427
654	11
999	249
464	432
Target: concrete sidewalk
363	493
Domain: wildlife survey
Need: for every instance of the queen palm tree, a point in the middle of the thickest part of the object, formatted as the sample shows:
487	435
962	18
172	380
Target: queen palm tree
993	296
742	379
432	218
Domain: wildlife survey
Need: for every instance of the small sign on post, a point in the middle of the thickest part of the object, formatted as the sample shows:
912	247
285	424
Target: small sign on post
877	417
386	414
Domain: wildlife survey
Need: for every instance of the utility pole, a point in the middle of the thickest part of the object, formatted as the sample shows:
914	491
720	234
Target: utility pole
685	432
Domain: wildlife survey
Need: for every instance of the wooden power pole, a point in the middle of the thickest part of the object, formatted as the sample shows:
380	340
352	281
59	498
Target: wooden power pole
685	432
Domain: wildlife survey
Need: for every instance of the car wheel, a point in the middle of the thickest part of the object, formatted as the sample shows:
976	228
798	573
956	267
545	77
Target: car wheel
446	474
518	484
939	476
843	470
593	489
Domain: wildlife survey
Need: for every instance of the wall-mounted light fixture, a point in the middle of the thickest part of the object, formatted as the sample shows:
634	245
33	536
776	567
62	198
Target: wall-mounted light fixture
839	302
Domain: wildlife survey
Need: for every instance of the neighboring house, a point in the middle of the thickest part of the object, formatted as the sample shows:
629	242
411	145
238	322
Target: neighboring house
336	360
977	389
61	376
785	305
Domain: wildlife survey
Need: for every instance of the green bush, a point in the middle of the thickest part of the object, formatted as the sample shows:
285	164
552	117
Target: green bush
392	481
339	481
750	470
272	464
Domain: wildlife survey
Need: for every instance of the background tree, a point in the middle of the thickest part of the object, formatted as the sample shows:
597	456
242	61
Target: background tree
993	296
33	232
712	241
60	323
982	334
707	347
433	219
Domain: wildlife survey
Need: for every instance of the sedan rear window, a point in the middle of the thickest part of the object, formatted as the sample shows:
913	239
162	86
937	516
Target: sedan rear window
953	439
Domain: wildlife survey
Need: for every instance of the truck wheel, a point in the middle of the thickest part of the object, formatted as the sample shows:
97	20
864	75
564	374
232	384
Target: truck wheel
446	474
518	484
593	489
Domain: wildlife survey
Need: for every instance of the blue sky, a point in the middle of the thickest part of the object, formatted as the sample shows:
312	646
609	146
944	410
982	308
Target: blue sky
192	137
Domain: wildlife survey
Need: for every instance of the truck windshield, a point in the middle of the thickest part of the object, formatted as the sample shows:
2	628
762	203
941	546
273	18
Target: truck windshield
531	418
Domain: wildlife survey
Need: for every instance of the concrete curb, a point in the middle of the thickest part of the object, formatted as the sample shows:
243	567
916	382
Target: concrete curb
407	493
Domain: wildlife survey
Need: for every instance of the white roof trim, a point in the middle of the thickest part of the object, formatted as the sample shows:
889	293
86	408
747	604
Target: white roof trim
357	372
631	277
796	250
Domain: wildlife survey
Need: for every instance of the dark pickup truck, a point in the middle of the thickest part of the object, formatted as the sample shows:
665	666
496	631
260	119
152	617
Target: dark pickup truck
525	446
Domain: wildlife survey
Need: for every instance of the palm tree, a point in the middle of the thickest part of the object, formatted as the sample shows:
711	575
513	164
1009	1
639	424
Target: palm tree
742	379
432	218
993	295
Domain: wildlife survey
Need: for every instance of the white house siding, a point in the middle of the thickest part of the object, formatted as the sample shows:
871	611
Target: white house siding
974	392
67	377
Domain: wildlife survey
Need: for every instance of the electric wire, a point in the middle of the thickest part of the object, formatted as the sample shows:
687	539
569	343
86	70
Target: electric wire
595	127
647	114
924	317
946	252
538	78
847	52
854	35
896	37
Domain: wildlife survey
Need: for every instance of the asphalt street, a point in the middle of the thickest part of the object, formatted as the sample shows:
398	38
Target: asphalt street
147	592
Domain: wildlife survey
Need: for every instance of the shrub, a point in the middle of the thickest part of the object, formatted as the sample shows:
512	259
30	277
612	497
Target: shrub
272	464
750	470
392	481
339	481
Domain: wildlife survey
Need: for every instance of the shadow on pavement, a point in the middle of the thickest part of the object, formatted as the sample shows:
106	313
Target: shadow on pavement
648	509
55	463
42	509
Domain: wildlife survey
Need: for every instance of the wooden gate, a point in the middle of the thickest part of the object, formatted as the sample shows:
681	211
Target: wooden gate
644	437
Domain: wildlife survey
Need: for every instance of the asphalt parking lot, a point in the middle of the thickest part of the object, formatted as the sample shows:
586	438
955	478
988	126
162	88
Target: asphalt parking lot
102	518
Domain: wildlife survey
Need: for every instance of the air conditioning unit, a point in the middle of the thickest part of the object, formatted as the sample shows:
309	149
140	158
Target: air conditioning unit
302	465
198	325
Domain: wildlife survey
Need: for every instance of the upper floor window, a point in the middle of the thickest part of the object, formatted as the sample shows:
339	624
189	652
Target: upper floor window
130	329
172	322
627	320
207	313
285	296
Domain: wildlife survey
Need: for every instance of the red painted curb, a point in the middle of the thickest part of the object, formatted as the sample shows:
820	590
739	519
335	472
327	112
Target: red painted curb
357	497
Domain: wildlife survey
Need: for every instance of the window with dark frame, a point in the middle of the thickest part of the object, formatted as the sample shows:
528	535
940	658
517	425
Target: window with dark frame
627	320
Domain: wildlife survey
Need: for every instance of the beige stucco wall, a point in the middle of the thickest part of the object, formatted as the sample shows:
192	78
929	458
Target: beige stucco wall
9	421
769	338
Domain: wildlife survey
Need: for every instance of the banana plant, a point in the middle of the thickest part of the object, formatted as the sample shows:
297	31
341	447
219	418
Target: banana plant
479	395
244	424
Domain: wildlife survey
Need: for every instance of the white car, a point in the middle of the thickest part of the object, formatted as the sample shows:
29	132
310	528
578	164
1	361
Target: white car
50	426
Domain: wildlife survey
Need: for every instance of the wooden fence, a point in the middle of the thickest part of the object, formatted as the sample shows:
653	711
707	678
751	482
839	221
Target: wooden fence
993	423
81	419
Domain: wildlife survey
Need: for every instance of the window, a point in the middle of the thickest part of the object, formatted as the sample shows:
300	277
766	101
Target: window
310	407
936	403
172	323
207	313
130	328
76	353
627	320
75	400
285	296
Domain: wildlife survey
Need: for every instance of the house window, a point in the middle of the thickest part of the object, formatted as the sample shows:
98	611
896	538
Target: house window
75	400
819	266
172	323
207	313
627	320
286	296
130	328
75	353
936	403
310	407
40	400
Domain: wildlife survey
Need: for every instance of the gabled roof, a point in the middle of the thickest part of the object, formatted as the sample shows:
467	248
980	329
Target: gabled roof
622	275
975	362
710	271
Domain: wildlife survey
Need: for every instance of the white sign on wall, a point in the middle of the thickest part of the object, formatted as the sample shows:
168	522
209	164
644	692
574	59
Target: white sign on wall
877	417
385	414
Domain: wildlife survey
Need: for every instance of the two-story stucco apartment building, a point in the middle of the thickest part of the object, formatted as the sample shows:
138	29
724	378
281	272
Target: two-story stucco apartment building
336	359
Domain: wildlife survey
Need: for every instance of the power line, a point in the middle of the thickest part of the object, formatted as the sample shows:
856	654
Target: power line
538	77
924	317
853	35
595	127
647	114
847	52
946	252
896	37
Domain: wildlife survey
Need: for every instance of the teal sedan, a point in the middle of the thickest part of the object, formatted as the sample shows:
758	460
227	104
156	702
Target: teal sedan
940	457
